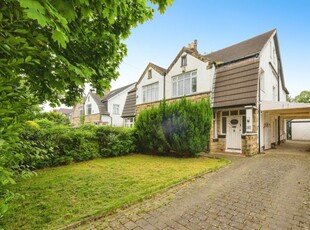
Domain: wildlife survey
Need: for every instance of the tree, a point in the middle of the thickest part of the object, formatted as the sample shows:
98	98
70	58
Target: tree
49	50
57	46
303	97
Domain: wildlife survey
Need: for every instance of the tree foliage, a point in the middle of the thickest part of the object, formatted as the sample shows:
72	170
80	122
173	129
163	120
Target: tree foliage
57	46
303	97
49	50
180	128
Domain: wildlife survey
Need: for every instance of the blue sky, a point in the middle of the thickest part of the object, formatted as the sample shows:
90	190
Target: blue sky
216	25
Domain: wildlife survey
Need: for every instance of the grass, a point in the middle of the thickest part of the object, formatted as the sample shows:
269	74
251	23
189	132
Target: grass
62	195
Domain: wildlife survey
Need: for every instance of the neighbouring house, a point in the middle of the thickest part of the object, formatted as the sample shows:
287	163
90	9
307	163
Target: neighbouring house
78	113
68	112
129	111
107	109
245	83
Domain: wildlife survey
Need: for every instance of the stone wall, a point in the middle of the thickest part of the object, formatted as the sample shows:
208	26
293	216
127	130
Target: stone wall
249	145
90	119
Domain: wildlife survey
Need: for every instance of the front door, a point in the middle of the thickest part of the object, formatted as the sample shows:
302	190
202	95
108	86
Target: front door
233	137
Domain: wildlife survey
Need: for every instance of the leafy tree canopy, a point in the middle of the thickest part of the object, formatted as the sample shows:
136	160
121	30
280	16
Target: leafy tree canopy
57	46
303	97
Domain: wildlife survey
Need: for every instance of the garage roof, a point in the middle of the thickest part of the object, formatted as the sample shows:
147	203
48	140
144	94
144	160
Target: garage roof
287	110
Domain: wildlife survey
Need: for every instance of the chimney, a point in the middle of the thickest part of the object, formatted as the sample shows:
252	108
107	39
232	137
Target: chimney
193	45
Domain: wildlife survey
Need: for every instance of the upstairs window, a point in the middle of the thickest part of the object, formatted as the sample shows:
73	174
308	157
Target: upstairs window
184	84
262	81
183	60
150	92
115	109
149	74
274	93
88	109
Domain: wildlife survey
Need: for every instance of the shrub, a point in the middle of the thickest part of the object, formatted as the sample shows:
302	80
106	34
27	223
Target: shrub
57	118
182	127
115	141
52	144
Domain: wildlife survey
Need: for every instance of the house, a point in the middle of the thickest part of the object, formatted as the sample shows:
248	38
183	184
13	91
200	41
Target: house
68	112
107	109
190	74
245	83
78	113
129	111
246	74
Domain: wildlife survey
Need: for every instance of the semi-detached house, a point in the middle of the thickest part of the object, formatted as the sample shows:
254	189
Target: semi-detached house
102	110
245	82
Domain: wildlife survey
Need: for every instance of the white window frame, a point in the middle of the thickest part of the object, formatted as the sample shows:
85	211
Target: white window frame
183	84
150	92
262	80
184	60
129	122
116	108
149	74
88	109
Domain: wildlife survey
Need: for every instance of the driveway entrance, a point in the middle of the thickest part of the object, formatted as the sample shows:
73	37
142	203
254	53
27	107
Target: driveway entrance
266	191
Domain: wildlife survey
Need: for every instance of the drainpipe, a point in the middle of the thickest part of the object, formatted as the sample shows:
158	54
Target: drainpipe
279	139
165	86
259	73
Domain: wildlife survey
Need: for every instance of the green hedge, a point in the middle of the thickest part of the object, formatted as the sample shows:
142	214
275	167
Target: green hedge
181	128
45	143
115	141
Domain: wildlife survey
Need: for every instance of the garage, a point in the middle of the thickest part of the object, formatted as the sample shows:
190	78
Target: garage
279	120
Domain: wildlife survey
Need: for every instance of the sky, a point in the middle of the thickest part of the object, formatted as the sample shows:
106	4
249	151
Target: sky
219	24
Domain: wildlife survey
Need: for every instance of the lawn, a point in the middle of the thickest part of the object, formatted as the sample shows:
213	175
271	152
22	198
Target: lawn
62	195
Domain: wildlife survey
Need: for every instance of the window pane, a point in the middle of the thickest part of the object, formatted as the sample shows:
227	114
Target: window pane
242	112
234	112
187	86
194	84
181	88
174	89
225	113
243	124
144	95
224	125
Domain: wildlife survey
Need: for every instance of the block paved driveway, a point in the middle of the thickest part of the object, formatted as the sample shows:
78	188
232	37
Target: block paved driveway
267	191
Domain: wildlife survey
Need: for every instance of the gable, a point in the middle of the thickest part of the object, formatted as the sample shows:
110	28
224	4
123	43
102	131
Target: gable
191	54
155	68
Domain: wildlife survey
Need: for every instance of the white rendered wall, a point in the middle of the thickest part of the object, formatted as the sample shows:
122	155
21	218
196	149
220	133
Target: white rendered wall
267	56
204	75
120	100
94	106
156	77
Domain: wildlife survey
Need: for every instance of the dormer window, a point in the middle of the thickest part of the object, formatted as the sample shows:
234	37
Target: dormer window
149	74
183	60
